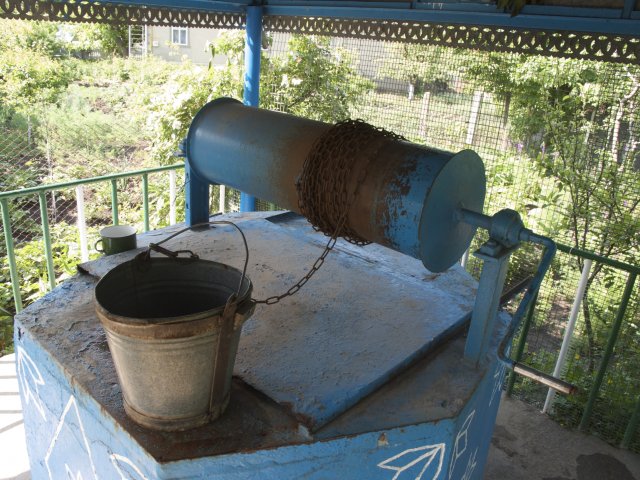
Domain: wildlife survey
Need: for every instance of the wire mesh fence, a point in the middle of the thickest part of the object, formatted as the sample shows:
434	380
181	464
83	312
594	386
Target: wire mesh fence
559	139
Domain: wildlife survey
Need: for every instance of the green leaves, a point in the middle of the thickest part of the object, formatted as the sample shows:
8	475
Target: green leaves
312	80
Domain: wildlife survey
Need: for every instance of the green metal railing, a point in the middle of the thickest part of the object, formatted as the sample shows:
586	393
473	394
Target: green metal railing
41	192
632	274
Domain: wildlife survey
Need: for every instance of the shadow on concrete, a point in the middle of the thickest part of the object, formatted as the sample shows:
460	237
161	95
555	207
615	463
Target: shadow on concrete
528	445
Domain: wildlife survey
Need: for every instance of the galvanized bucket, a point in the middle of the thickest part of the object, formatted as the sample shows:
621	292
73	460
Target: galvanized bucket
173	336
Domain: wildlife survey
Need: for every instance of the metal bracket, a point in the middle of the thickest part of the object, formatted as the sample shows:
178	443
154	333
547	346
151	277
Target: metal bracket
495	259
506	231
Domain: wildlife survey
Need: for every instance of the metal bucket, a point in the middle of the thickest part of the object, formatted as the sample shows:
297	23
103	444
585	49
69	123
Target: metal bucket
172	341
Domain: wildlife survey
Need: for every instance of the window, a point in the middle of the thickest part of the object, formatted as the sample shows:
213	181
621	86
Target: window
179	36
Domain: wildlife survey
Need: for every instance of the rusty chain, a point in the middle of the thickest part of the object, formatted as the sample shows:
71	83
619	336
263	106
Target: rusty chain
322	188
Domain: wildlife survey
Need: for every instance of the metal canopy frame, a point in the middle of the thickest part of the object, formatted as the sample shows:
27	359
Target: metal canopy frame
622	20
610	34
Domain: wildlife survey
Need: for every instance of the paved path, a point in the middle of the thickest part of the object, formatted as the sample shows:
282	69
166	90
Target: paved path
526	445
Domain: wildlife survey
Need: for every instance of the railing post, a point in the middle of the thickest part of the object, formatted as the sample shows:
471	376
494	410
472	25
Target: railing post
606	356
44	217
568	332
11	254
145	201
114	201
82	224
172	197
632	426
222	202
424	115
522	341
476	105
251	96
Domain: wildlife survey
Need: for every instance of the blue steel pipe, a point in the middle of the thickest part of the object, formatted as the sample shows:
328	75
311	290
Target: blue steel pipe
506	228
251	95
407	201
503	350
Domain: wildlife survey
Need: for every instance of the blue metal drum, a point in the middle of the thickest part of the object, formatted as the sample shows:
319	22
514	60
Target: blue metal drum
408	199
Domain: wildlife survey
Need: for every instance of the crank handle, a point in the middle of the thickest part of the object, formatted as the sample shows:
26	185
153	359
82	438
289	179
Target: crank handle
544	378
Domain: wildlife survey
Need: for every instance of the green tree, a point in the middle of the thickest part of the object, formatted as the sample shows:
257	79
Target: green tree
30	75
421	66
110	40
312	80
582	132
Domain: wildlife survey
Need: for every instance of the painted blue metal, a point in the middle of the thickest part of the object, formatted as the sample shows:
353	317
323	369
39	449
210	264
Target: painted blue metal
471	18
345	3
356	342
196	195
70	434
411	192
572	11
531	293
490	8
238	6
629	6
251	95
482	330
432	422
616	21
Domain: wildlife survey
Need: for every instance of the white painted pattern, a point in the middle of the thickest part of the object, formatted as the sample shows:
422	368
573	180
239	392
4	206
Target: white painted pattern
471	466
431	455
126	468
498	380
461	443
30	380
70	419
70	474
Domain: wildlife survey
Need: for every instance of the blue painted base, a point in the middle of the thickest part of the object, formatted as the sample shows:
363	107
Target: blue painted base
432	422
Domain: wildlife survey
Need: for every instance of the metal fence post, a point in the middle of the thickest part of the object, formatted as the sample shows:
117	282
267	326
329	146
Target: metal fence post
522	341
476	104
568	333
114	201
632	426
44	217
145	201
424	113
11	254
172	197
606	356
222	206
81	223
251	96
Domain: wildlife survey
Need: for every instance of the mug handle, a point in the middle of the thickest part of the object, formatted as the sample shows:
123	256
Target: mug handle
96	246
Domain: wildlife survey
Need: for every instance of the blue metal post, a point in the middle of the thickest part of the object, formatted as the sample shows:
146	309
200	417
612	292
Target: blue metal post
251	96
197	197
485	310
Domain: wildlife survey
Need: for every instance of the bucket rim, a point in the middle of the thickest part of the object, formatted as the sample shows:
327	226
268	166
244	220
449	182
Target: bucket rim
244	300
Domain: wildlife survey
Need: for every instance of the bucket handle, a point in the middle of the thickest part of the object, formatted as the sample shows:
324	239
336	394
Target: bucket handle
146	255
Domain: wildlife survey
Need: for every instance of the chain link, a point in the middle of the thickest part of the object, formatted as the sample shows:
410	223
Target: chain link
322	188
